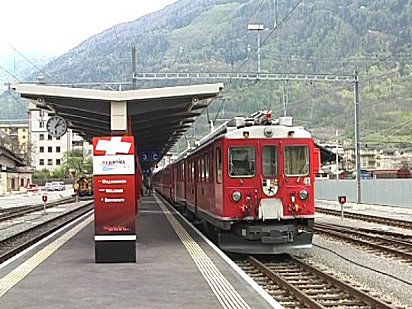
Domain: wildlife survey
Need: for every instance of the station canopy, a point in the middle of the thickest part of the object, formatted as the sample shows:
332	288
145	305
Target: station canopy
158	116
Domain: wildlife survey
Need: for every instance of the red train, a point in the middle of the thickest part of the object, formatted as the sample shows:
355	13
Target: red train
251	183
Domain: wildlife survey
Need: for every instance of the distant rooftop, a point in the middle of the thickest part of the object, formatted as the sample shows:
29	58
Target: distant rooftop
14	122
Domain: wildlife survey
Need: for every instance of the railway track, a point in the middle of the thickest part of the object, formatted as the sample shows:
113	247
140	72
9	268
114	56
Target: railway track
368	218
13	245
18	211
394	244
296	284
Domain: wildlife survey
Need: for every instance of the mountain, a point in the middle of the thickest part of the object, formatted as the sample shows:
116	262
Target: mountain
313	37
12	106
15	67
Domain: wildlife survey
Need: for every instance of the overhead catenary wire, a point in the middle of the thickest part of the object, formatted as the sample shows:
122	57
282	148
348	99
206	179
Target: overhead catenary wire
11	74
33	64
284	19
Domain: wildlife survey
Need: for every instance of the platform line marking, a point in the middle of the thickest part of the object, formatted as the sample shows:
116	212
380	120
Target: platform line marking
223	290
16	275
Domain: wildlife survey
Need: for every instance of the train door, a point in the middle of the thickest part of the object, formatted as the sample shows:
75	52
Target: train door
217	167
191	186
297	166
240	178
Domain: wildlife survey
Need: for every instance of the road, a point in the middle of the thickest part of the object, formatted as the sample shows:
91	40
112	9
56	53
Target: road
32	198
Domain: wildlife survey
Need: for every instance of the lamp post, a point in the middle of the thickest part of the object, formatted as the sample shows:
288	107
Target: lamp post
258	28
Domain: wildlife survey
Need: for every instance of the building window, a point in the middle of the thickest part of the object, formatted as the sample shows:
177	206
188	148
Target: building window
49	137
50	149
58	162
57	148
24	130
57	138
24	137
41	124
41	113
41	162
49	161
41	137
41	149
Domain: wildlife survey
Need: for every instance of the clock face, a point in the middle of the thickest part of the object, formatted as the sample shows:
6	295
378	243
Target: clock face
56	126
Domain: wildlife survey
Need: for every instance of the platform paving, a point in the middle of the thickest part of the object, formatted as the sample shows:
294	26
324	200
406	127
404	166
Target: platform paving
164	276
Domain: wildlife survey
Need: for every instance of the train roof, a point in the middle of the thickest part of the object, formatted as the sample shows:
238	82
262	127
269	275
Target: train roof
258	125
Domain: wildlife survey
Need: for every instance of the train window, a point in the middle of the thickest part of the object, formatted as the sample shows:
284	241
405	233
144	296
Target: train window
270	160
192	171
296	160
219	165
207	178
242	161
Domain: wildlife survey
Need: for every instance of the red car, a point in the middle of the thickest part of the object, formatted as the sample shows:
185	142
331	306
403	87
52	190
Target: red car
32	187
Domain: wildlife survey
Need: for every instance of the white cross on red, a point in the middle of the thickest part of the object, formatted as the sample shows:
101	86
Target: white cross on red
113	146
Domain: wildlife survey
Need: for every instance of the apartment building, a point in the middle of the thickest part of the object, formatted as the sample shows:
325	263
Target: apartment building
16	135
47	151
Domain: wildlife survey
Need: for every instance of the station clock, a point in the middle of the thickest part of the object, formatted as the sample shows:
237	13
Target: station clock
56	126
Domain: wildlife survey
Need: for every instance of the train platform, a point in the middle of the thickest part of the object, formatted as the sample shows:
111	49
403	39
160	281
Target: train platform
175	268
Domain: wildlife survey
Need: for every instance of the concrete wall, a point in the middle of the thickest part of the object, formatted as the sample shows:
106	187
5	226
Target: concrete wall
391	192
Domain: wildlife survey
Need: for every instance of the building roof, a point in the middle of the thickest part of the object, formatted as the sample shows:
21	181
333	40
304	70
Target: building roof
158	116
7	153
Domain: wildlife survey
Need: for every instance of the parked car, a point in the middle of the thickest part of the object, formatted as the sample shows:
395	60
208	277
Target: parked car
49	186
32	187
58	185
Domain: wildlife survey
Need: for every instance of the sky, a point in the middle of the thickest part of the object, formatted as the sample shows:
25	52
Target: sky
54	26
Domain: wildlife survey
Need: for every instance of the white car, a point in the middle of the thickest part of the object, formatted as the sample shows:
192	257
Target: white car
58	185
49	186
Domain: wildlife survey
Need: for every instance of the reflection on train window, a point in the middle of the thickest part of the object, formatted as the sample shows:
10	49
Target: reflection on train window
219	165
270	160
242	161
296	160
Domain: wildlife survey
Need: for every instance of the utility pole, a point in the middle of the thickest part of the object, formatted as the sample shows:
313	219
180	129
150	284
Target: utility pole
285	97
357	138
337	155
258	28
276	13
134	73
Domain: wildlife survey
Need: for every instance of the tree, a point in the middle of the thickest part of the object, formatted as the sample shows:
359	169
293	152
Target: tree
76	164
43	174
59	173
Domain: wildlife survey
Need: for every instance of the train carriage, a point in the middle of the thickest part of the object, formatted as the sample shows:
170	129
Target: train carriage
251	182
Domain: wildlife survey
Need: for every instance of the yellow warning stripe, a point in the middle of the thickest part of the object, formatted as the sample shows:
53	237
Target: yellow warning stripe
15	276
224	291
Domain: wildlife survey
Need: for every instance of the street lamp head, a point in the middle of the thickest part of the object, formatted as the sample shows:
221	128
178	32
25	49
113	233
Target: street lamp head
255	27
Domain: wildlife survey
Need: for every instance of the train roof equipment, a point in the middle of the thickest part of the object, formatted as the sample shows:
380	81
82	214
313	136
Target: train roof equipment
260	118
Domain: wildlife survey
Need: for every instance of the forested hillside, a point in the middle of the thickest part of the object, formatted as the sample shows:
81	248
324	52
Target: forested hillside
324	36
12	107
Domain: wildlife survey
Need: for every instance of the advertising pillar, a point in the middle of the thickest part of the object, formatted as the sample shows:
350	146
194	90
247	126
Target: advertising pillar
114	199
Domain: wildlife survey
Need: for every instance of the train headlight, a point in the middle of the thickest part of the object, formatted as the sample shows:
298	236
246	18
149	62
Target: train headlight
268	132
303	194
236	196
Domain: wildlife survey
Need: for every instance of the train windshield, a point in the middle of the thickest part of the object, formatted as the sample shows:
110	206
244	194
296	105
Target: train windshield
242	161
296	160
269	161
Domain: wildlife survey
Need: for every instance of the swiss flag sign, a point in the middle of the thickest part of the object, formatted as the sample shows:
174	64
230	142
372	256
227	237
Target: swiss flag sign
342	199
113	145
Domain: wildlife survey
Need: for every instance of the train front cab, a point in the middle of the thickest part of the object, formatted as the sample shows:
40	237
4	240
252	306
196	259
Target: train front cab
268	202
